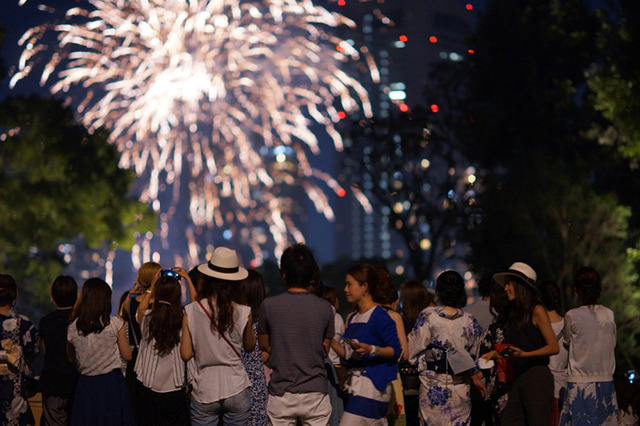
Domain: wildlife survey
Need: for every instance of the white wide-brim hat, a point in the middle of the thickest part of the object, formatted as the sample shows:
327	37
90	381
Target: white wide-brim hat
224	264
522	272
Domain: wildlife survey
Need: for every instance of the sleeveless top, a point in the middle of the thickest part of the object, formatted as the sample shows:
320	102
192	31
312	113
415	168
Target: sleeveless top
527	339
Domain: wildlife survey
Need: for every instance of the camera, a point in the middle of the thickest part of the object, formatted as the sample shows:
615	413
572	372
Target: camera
169	273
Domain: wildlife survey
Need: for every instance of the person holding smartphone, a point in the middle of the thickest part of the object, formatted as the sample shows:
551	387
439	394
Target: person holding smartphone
371	348
530	341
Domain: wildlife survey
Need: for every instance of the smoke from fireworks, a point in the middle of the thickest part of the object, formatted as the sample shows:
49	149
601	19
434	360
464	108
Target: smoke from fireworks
211	98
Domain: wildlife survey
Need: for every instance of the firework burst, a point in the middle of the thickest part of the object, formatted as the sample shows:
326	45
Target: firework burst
211	98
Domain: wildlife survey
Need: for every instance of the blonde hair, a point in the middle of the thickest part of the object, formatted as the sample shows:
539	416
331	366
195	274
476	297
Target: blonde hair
146	273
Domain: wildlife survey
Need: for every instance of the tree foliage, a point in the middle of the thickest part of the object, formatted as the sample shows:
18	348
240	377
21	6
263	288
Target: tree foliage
615	78
407	165
547	195
58	183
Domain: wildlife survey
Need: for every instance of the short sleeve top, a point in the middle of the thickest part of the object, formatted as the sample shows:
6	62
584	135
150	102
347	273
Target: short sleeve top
96	353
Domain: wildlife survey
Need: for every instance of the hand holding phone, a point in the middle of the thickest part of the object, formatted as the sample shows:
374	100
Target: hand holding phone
507	352
351	342
170	273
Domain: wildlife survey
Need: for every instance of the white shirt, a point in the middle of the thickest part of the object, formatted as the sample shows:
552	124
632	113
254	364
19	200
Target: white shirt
558	362
590	332
338	324
96	353
158	373
220	372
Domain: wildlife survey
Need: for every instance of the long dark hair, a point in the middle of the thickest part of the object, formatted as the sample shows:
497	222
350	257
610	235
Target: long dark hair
386	293
499	304
165	319
8	290
93	308
253	291
414	297
551	296
225	293
520	310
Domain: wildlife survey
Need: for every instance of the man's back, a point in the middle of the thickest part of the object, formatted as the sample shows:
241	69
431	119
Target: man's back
297	324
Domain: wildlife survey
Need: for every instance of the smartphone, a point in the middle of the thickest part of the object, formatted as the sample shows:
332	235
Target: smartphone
170	273
351	342
507	352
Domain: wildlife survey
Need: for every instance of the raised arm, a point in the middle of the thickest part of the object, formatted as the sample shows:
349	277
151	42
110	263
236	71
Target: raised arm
185	274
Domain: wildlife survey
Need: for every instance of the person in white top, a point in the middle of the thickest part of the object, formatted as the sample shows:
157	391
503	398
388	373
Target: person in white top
96	341
159	367
550	298
590	333
214	329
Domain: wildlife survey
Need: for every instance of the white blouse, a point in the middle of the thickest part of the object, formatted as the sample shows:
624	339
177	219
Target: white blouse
586	328
97	353
158	373
219	370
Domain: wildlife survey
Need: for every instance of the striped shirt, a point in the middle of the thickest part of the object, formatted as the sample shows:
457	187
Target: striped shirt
158	373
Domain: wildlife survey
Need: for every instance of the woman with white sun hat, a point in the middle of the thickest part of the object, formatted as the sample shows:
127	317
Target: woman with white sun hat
214	329
531	341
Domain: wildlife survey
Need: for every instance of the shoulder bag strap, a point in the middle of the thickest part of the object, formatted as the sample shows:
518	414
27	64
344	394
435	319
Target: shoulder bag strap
216	327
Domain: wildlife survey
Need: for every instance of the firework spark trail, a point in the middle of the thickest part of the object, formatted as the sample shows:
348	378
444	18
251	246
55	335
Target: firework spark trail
197	89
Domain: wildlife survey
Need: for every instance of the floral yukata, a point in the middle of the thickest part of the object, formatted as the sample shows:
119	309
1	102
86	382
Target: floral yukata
19	340
444	397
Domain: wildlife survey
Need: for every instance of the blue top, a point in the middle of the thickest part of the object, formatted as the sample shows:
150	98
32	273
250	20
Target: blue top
380	331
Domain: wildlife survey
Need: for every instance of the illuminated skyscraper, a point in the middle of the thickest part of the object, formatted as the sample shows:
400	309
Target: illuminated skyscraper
403	37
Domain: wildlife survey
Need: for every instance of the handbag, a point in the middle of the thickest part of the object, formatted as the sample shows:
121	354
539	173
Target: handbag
409	375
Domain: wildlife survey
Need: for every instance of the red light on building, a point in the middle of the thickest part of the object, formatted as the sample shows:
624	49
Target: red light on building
471	51
404	38
404	107
434	108
433	39
342	3
342	115
469	6
341	192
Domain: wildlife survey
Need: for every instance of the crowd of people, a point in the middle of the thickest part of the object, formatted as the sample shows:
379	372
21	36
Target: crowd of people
208	347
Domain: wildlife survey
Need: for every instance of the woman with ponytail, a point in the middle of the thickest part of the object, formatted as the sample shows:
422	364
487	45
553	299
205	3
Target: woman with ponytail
214	329
159	367
371	348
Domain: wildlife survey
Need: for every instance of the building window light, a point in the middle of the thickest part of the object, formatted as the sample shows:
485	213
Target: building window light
397	95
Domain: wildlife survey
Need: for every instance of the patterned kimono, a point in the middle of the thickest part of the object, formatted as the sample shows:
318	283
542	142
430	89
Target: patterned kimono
499	375
19	340
444	397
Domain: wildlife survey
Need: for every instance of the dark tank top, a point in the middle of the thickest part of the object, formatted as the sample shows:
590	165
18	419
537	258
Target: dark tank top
528	339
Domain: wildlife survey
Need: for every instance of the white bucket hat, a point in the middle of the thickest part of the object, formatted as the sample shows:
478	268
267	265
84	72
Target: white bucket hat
224	264
523	272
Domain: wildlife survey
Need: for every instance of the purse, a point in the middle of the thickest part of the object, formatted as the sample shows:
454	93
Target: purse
409	375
